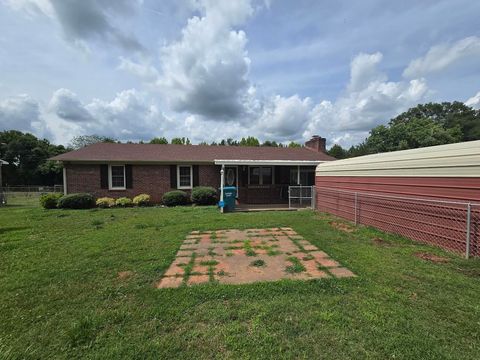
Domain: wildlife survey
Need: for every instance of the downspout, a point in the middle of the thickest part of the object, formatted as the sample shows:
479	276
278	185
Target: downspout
222	183
64	180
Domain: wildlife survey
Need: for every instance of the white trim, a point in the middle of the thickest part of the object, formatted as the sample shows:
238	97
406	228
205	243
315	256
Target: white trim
110	187
260	179
268	162
178	177
64	181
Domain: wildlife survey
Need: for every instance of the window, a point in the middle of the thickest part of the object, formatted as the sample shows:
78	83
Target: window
184	177
260	175
116	177
307	177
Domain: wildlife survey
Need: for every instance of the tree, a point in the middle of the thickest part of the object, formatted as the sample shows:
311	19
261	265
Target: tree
294	144
448	115
181	141
81	141
159	140
27	157
249	141
270	143
337	152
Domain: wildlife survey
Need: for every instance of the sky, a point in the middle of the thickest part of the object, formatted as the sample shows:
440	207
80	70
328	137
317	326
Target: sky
276	69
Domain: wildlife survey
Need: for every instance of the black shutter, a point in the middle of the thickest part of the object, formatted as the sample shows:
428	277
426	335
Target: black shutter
104	176
128	177
173	176
195	175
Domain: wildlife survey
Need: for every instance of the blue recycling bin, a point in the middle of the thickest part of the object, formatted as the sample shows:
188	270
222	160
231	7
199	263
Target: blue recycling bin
229	196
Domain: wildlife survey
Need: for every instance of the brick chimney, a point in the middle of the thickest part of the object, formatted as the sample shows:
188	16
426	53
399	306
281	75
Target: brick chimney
316	143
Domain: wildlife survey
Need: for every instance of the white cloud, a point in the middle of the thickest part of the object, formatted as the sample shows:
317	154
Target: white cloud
23	113
442	56
206	71
65	105
144	70
285	117
86	20
474	101
370	100
131	115
364	70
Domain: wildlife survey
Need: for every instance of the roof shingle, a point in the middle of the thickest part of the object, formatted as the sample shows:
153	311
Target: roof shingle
186	153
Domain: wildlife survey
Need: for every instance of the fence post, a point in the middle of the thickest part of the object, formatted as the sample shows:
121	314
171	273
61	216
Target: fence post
469	220
356	211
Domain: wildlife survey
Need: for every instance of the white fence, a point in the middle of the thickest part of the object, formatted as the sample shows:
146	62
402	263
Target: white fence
301	197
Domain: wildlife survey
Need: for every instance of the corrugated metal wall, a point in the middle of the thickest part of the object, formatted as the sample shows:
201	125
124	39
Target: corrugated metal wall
422	193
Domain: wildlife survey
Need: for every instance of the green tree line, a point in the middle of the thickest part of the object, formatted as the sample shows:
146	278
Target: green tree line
424	125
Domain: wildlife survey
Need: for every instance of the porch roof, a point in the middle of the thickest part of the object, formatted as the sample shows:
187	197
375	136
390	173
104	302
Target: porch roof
269	162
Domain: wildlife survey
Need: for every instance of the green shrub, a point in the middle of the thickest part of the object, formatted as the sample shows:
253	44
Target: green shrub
105	202
124	202
141	200
175	198
204	195
76	201
50	200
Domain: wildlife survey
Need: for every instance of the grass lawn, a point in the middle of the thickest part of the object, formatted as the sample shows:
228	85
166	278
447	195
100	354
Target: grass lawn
61	296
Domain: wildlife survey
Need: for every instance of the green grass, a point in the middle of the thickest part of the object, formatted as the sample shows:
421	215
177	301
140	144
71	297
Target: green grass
61	296
296	267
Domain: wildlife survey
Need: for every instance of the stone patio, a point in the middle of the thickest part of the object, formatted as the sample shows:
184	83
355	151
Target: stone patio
245	256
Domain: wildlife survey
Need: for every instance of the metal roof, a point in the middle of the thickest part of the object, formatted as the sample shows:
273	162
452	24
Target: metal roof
451	160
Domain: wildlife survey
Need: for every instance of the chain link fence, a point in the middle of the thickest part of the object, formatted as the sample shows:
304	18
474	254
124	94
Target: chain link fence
452	225
25	195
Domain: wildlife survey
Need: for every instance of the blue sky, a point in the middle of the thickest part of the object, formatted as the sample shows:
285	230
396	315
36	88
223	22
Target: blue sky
205	69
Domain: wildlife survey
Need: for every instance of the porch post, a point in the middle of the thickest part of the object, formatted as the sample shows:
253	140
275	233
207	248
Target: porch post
222	182
298	175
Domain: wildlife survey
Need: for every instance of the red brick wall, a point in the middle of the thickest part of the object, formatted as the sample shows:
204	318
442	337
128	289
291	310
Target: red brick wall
149	179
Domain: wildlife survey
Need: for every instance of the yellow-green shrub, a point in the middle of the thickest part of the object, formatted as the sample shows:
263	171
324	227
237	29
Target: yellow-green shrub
141	200
105	202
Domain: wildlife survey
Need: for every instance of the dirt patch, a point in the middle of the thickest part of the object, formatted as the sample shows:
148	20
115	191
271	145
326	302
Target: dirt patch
431	257
380	242
123	275
342	226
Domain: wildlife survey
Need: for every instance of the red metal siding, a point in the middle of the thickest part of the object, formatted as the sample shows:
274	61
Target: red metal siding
419	208
435	187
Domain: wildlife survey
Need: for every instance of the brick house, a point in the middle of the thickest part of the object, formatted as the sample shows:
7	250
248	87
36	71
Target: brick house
261	174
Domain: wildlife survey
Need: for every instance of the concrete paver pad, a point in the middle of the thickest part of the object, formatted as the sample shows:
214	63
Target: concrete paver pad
244	256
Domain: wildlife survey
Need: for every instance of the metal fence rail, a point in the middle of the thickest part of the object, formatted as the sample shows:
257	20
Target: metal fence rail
25	194
452	225
301	196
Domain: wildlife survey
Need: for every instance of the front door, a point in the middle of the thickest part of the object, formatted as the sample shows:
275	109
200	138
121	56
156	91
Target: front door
231	176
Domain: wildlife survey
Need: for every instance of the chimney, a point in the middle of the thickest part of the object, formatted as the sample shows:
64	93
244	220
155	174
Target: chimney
316	143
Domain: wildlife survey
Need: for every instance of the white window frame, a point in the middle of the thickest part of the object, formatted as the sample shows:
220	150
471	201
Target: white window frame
110	186
178	177
261	175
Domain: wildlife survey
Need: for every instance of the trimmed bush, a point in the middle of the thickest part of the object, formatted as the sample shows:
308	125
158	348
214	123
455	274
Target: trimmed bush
76	201
50	200
105	202
141	200
124	202
175	198
204	195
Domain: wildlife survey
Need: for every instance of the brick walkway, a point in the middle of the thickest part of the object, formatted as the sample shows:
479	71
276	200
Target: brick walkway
246	256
